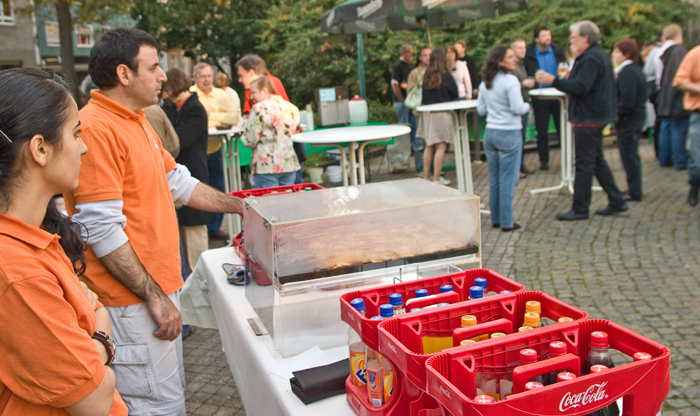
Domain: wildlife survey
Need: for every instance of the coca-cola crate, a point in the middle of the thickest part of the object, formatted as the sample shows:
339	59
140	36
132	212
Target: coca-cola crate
374	297
407	400
260	277
401	339
643	385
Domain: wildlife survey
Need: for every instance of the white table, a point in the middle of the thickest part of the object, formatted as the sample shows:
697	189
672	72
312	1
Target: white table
356	138
232	169
459	111
248	355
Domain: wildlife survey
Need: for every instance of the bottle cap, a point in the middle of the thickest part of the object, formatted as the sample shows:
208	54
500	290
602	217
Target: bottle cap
532	319
533	306
524	328
639	356
467	342
598	368
557	348
442	304
376	318
483	399
530	385
396	299
497	334
476	292
468	320
386	310
599	339
445	288
565	319
528	356
503	292
416	309
566	376
481	281
358	304
289	190
421	293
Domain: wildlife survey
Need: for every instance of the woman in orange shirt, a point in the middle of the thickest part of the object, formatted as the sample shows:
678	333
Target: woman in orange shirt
55	340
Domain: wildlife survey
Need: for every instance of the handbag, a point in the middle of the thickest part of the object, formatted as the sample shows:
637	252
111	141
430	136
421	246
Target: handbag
414	99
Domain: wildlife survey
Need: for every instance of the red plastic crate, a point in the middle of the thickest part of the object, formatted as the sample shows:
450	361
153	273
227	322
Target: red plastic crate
374	297
260	277
401	338
407	400
642	385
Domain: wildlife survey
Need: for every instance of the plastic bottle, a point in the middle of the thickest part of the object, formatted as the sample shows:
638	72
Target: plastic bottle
386	310
503	292
481	281
564	319
556	349
524	328
532	385
387	378
532	320
470	320
483	399
397	301
529	356
640	356
565	376
498	334
358	349
606	411
599	355
476	292
420	293
467	342
416	309
446	288
375	383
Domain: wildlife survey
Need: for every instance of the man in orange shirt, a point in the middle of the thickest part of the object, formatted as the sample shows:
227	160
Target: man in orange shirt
251	67
688	80
128	183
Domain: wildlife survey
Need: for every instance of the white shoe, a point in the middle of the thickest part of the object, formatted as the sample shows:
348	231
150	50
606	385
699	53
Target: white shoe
443	181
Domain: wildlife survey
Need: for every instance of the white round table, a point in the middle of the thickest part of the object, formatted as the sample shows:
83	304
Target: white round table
232	168
460	110
356	138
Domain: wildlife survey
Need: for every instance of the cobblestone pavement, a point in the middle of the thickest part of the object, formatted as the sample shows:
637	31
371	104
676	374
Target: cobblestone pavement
640	268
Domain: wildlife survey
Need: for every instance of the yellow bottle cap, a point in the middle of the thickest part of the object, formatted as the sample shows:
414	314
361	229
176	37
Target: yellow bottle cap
468	320
467	342
532	319
533	306
524	328
497	334
565	319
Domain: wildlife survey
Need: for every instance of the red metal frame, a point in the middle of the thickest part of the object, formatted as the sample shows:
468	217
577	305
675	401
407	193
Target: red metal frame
643	385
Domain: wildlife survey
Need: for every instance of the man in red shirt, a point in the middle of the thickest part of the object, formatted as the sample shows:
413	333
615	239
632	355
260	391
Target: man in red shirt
251	67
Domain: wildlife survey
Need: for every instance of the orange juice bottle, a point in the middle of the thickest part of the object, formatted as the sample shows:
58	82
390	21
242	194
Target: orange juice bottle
375	382
470	320
387	378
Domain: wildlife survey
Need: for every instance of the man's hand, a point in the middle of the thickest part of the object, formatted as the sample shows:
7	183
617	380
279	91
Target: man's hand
529	83
206	198
92	297
544	77
168	317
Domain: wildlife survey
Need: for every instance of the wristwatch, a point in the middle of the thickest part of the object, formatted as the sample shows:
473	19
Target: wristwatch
109	344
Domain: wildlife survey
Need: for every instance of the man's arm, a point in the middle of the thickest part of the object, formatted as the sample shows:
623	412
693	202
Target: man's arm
124	265
397	90
225	113
689	87
206	198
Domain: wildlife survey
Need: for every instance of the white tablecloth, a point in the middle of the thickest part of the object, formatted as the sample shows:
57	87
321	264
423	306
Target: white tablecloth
207	300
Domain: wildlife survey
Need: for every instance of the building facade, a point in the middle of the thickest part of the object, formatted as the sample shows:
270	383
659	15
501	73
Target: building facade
18	46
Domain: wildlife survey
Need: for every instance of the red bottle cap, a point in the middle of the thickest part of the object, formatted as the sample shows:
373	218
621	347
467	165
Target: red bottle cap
639	356
598	368
557	348
599	339
483	399
565	376
531	385
528	356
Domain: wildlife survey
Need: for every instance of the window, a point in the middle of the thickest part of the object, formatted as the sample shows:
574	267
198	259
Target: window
84	36
7	15
52	36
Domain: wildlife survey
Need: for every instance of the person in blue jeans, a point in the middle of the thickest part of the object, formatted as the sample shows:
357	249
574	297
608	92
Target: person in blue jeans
501	101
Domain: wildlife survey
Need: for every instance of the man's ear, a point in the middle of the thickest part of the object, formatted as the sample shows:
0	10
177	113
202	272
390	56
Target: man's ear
124	74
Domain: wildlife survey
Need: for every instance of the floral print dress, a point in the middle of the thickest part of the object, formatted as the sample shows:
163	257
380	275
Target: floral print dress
268	132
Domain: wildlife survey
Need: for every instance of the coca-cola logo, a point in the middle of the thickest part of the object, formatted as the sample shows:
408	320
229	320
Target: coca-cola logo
595	393
445	392
352	317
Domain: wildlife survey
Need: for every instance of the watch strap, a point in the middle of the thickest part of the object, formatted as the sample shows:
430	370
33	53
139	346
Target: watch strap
109	344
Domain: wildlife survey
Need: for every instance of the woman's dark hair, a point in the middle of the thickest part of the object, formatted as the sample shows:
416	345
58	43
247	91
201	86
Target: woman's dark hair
117	47
35	102
493	64
177	82
433	74
629	48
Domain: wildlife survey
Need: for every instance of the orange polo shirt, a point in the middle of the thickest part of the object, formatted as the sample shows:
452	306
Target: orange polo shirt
127	161
689	71
48	359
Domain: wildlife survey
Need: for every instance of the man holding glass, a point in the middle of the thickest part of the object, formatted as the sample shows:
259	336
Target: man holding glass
546	56
592	106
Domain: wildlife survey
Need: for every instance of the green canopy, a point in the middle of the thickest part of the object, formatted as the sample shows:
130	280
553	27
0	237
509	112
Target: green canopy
366	16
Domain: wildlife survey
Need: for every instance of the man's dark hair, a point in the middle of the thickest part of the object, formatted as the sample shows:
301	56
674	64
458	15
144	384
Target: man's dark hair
538	29
117	47
253	62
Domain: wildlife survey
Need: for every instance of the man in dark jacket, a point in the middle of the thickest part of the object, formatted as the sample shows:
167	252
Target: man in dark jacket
592	105
674	118
544	55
